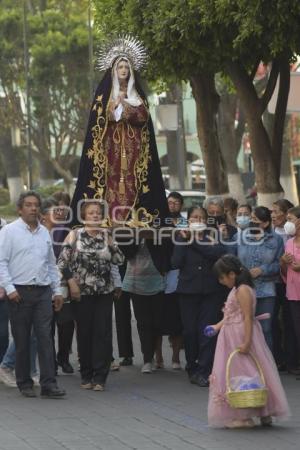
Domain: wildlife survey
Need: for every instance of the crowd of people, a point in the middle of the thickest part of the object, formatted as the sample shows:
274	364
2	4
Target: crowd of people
65	282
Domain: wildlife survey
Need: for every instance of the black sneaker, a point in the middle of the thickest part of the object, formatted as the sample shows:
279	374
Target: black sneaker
199	380
54	392
28	392
126	362
66	367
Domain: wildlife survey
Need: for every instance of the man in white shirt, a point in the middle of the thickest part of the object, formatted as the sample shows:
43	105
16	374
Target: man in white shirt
30	277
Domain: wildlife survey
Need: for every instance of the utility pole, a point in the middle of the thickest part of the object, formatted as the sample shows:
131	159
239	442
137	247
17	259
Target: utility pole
181	144
176	146
28	104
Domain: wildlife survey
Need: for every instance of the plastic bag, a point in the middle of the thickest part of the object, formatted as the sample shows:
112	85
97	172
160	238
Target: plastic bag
244	383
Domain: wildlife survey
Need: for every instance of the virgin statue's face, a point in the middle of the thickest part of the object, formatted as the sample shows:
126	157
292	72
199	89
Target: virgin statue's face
123	70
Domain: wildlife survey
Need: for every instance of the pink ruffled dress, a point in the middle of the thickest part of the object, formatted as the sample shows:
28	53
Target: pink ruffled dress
230	337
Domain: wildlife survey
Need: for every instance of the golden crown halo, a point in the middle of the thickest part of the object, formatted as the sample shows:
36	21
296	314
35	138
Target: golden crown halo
123	45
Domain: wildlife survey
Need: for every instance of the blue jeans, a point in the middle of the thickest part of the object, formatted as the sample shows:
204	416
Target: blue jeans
9	359
3	328
266	305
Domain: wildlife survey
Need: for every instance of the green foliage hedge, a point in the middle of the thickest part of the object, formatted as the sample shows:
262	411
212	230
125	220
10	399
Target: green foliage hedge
4	196
47	191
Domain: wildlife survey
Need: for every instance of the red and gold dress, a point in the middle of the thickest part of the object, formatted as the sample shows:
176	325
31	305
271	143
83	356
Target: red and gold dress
120	153
124	146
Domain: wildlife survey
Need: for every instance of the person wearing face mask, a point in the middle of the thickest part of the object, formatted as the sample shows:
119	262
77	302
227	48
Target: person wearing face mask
243	216
279	214
260	250
216	217
201	297
284	338
290	228
290	268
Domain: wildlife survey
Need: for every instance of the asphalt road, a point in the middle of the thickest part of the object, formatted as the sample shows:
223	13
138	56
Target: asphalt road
137	411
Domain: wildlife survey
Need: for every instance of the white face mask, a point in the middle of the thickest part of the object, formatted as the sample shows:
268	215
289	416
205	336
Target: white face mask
199	226
290	228
243	221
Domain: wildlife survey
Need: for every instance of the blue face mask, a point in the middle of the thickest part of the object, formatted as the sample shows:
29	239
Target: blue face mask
243	221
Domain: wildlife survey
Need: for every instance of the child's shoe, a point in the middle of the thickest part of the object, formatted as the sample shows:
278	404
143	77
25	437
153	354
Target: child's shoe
266	421
248	423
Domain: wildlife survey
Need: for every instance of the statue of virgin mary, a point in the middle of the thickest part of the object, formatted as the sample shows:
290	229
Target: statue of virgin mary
119	162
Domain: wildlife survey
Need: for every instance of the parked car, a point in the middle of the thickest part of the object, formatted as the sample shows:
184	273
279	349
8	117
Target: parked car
60	182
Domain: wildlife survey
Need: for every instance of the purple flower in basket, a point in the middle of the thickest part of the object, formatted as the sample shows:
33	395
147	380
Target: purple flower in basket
209	331
249	386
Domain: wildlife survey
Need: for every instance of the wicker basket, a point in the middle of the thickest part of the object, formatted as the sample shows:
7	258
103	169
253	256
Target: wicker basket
252	398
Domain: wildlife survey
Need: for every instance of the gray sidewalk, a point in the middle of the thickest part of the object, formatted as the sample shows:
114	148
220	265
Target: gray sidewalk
144	412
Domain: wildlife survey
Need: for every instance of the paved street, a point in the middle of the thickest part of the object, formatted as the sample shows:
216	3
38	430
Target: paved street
144	412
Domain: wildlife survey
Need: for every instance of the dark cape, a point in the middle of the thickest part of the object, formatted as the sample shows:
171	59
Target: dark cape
153	198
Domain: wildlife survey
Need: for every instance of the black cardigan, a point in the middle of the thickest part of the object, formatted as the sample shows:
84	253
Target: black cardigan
195	263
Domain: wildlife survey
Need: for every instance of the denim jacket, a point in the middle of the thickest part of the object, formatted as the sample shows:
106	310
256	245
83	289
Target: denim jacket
264	254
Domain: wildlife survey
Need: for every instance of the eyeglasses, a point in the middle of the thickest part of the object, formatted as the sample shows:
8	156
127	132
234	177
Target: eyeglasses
59	210
171	202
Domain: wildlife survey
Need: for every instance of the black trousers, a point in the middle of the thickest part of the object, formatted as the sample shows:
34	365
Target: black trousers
148	314
295	312
285	347
197	311
3	328
94	335
34	310
123	325
65	331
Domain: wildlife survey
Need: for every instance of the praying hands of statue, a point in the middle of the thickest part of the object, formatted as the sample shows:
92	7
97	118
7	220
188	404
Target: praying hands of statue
120	99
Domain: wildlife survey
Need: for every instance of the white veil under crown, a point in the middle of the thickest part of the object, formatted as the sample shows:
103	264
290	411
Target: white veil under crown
132	96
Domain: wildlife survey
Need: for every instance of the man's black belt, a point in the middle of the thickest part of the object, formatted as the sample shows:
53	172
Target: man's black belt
31	286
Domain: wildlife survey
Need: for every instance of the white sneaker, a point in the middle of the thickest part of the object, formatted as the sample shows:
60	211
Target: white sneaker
114	366
36	380
147	368
7	377
176	366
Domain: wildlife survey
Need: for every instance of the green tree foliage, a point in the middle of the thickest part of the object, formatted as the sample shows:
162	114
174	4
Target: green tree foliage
169	28
59	87
194	39
178	51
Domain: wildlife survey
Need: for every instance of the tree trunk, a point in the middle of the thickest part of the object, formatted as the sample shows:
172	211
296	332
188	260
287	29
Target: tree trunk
265	153
287	176
207	101
230	142
41	139
12	166
46	172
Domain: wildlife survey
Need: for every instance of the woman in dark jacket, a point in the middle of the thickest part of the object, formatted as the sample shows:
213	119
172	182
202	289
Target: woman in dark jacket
201	296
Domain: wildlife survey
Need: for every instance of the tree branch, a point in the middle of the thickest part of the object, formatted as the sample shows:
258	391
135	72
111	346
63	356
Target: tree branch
254	70
239	132
244	86
280	111
266	97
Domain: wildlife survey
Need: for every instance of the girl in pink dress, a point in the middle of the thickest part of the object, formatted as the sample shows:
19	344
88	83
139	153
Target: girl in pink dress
240	329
